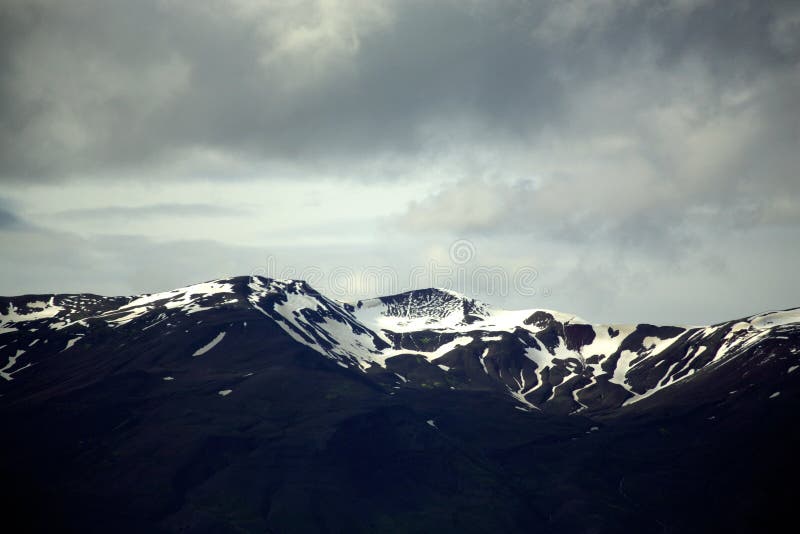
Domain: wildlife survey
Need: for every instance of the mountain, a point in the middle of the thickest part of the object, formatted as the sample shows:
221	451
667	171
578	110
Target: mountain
258	405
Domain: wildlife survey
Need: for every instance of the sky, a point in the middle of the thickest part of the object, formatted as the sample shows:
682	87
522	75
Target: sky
626	161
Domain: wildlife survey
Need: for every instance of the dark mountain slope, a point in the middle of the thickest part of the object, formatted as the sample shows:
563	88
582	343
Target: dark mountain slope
253	405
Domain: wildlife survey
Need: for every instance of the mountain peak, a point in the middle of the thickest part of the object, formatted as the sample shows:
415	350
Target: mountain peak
420	309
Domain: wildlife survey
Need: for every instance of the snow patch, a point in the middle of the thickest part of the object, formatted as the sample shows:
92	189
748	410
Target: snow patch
12	361
42	310
210	345
773	319
71	343
483	363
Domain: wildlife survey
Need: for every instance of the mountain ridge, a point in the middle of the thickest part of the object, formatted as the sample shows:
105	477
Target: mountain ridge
548	357
258	405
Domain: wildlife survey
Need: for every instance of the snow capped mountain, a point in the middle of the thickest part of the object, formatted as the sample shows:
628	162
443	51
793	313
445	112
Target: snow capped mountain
542	359
252	404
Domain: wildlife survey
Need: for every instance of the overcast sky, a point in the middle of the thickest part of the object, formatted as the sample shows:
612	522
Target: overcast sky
637	160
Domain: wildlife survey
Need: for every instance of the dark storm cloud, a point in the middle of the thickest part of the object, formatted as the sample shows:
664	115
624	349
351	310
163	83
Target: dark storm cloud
145	81
678	122
96	87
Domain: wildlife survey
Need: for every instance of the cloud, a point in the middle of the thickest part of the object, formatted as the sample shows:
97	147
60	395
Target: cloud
8	220
622	135
676	124
163	210
40	260
364	89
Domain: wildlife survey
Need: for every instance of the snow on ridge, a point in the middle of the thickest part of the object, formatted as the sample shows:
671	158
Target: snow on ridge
417	310
778	318
441	309
204	288
333	331
43	310
378	315
188	299
739	336
362	336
